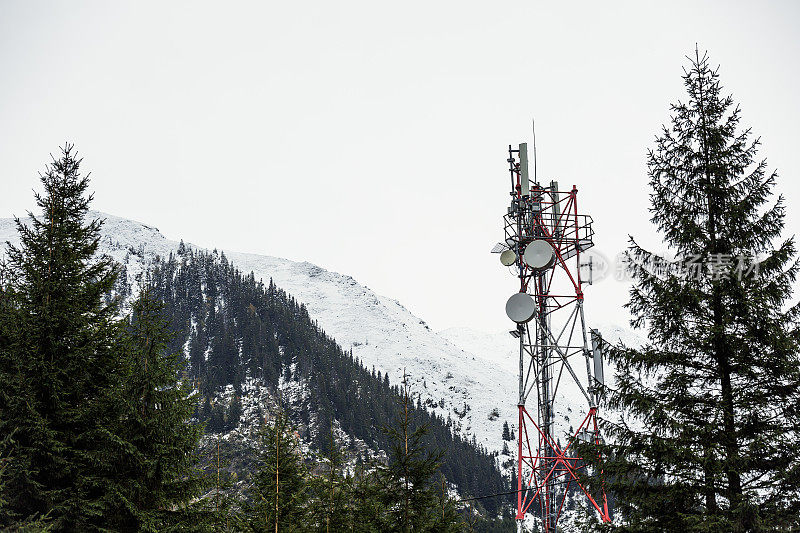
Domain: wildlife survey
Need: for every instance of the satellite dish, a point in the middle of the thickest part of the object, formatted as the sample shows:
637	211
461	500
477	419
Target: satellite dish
520	308
539	255
508	257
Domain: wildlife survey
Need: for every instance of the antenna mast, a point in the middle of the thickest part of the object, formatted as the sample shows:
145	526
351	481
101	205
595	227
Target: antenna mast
544	238
533	130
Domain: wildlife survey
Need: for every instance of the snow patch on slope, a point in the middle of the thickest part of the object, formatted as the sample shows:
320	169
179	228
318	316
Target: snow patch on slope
459	374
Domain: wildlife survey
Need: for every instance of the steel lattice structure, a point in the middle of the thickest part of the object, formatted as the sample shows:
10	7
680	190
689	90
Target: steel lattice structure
545	237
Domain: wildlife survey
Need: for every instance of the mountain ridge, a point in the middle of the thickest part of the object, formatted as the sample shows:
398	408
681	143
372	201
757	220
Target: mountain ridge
460	374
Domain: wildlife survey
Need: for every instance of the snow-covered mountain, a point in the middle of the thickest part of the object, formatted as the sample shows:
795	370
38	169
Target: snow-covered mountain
502	350
462	374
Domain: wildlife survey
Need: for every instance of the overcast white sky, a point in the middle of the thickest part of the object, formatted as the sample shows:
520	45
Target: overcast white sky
370	137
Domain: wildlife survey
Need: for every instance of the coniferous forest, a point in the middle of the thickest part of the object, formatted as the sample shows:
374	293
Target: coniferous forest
106	411
200	398
234	327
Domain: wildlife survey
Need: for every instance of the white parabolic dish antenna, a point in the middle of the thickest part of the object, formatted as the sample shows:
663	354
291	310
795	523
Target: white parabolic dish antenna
520	308
539	255
508	257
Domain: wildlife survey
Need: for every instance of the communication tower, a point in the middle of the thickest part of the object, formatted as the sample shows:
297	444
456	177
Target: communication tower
545	236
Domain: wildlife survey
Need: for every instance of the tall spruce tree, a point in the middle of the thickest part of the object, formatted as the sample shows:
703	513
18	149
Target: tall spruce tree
158	458
366	506
332	492
407	486
57	359
708	439
280	489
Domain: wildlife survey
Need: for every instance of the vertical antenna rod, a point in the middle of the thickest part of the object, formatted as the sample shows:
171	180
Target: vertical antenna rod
533	127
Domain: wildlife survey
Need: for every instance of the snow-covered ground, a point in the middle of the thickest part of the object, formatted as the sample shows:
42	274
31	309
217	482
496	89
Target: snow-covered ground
458	373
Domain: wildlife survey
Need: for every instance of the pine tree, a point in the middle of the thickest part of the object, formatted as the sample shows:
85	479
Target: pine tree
332	493
234	413
160	479
709	440
367	508
407	486
31	523
216	422
279	495
58	359
220	508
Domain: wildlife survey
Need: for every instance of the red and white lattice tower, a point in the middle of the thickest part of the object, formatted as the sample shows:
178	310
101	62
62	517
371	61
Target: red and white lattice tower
545	237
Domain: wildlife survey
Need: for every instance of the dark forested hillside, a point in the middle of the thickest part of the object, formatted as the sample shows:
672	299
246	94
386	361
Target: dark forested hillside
233	329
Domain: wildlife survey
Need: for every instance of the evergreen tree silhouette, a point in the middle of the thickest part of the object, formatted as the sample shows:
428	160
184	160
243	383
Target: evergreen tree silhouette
709	441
